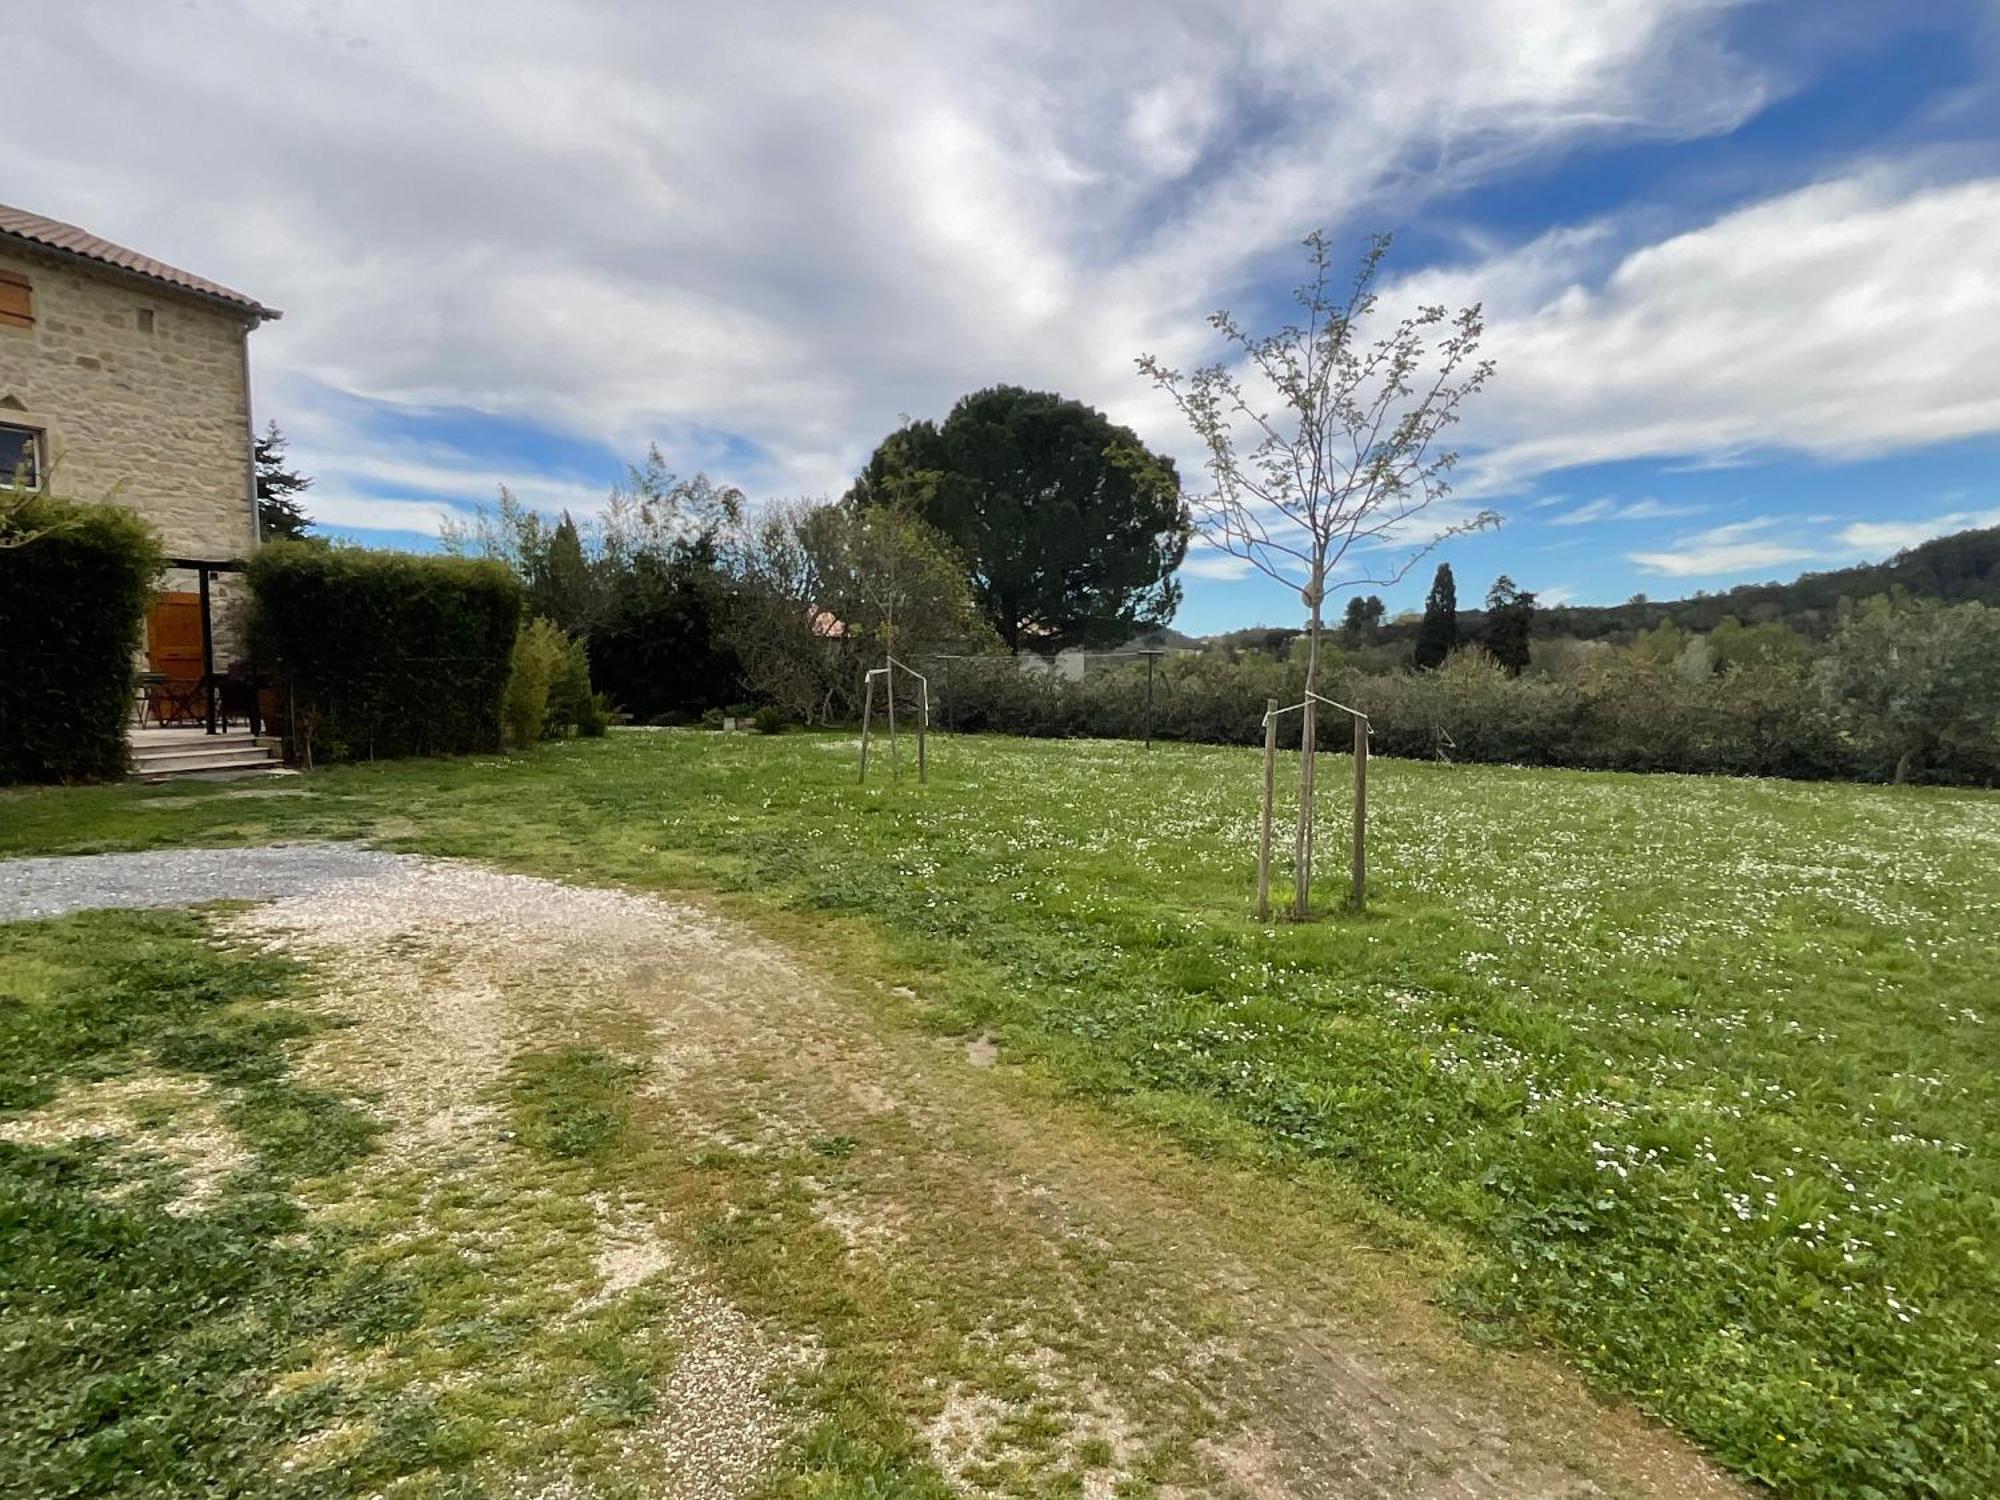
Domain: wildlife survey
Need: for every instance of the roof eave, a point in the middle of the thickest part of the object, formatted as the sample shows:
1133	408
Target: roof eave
249	308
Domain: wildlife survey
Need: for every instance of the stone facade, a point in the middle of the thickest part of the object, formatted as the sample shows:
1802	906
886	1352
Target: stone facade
143	393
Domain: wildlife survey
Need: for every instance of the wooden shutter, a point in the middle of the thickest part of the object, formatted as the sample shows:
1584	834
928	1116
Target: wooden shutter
17	301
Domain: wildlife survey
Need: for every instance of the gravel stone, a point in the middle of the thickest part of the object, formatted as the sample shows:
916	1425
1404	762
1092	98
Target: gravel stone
54	887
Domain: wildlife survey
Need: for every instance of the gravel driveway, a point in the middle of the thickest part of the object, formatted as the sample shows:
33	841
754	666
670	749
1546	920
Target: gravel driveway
31	888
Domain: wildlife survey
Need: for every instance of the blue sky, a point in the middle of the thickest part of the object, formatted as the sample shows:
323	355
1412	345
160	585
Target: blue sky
1738	260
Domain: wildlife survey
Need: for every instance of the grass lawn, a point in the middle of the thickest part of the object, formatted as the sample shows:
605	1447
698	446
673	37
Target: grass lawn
1701	1072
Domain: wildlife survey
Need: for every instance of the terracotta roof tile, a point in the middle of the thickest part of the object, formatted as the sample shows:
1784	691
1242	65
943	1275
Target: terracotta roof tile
53	234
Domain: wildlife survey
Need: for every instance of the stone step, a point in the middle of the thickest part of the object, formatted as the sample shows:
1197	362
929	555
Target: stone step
245	755
144	747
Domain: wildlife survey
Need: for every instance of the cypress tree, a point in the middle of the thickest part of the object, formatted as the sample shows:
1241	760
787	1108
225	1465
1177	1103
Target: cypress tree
1437	637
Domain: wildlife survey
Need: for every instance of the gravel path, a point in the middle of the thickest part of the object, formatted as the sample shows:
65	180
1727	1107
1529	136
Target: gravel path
32	888
1082	1296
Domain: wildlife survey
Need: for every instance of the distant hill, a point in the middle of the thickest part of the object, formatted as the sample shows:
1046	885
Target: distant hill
1958	568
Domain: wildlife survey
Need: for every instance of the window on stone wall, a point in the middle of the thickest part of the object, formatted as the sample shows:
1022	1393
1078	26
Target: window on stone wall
20	455
17	301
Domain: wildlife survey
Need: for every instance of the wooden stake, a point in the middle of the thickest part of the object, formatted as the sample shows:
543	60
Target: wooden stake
889	685
923	727
867	710
1270	791
1302	852
1150	659
1359	894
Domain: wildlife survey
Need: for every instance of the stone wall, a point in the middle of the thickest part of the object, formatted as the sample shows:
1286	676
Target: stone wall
144	395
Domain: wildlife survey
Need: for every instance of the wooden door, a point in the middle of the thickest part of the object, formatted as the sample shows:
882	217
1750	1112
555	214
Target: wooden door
173	637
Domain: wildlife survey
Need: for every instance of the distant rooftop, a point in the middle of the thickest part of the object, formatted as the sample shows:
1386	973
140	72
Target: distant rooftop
67	239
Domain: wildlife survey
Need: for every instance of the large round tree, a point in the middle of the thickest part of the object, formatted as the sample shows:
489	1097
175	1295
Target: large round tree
1071	529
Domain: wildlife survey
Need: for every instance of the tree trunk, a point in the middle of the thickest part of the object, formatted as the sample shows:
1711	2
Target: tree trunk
1302	851
1903	766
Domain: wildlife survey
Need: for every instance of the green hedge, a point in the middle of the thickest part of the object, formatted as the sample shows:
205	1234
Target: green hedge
383	654
75	582
1620	715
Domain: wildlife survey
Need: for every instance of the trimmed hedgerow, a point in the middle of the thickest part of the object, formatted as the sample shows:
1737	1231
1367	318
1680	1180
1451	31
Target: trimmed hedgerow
75	581
384	654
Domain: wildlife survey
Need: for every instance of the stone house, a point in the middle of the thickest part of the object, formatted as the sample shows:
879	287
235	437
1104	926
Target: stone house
126	380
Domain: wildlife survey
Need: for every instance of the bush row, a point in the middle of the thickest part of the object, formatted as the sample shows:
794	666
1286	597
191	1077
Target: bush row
381	654
1623	715
75	581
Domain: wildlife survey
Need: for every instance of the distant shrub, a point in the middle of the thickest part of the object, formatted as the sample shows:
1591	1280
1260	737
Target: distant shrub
548	688
383	654
1605	710
769	720
532	668
75	582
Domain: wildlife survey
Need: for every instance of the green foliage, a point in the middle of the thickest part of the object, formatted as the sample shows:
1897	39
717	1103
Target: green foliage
1624	712
548	688
537	657
1437	637
1921	683
572	702
383	654
75	582
280	513
561	583
647	588
137	1345
1362	620
770	720
1070	528
1510	617
663	649
1772	644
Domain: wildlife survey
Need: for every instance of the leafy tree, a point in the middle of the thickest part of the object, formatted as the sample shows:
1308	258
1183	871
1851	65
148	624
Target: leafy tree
1070	529
1921	681
510	533
1362	620
1771	643
791	649
1437	636
663	643
1510	617
1342	416
829	589
280	513
648	586
562	584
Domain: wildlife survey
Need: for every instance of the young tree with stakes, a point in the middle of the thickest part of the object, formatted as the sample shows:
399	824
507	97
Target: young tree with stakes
1323	451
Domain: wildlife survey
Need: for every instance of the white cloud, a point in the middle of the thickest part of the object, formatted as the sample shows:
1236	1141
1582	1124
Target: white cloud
341	510
794	223
1204	562
1723	551
1606	508
1884	538
1852	317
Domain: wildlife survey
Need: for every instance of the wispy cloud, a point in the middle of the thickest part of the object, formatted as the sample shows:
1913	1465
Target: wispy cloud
1848	318
1205	562
1608	509
1884	537
795	224
1723	551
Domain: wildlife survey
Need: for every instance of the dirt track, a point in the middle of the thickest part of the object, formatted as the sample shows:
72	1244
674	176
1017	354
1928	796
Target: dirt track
1075	1300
